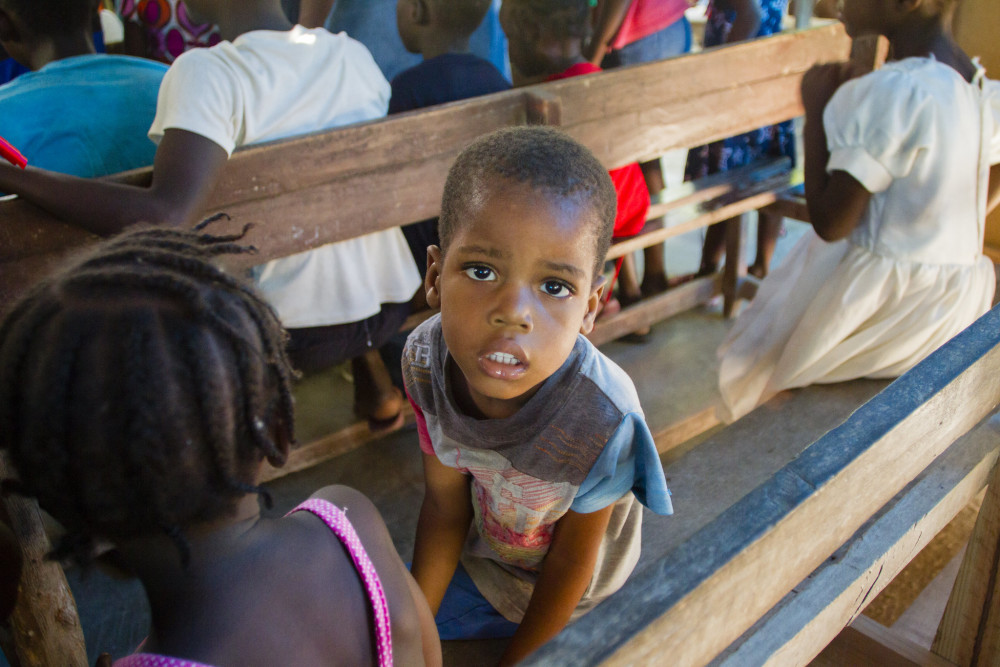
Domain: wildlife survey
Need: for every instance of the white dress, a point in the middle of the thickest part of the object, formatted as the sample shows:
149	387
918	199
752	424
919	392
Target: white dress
912	274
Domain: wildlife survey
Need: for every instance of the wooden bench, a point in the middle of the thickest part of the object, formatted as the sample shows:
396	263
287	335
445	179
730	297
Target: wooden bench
381	174
785	542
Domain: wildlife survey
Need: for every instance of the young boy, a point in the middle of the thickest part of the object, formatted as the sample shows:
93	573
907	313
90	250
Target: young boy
529	433
77	112
439	30
267	80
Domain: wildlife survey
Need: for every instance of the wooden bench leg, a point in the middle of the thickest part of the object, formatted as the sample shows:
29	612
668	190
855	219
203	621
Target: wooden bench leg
736	263
969	633
45	625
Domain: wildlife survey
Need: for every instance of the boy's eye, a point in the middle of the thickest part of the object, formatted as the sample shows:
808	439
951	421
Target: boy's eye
556	288
480	272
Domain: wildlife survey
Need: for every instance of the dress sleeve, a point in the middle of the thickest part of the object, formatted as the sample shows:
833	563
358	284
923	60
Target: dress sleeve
629	462
992	92
876	127
199	95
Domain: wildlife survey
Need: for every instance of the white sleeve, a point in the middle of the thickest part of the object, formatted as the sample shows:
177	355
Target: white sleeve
199	94
992	92
876	127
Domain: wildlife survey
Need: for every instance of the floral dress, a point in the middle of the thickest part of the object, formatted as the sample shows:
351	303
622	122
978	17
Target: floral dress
741	150
168	27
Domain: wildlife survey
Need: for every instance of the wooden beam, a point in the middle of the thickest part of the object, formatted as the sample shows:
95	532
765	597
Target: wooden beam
865	643
969	632
45	626
835	594
801	515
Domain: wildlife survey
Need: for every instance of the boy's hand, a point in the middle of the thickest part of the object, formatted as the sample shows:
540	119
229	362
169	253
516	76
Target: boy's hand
566	572
443	525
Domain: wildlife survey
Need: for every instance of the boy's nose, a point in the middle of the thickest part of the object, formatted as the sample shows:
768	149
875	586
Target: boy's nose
513	308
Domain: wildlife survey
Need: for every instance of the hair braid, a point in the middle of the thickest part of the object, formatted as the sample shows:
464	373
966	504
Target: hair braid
141	387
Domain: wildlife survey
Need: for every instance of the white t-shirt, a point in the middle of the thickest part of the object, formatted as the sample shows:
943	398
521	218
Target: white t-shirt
269	85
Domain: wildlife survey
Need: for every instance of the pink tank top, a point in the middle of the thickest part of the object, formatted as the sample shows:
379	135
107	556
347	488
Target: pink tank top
337	521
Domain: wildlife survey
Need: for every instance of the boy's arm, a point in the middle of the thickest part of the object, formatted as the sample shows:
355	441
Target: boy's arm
610	14
445	516
185	170
566	572
836	200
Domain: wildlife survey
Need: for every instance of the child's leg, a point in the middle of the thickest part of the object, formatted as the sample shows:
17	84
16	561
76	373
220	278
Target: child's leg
768	229
654	275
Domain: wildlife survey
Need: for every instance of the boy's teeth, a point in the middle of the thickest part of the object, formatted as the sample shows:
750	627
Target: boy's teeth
504	358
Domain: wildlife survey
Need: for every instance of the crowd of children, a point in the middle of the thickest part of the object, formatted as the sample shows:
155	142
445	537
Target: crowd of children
143	387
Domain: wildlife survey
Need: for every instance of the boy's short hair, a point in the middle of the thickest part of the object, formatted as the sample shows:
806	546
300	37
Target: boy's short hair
53	17
542	157
562	19
461	17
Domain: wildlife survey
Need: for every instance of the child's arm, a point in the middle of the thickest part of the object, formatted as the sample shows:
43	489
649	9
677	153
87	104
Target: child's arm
747	20
610	14
445	517
566	572
186	168
836	200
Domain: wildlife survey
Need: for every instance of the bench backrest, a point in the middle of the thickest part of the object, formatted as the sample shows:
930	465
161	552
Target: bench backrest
342	183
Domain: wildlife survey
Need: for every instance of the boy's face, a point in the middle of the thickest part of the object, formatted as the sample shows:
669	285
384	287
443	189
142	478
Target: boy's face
515	287
406	24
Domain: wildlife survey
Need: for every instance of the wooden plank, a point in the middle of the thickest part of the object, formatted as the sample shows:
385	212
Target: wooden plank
827	493
968	634
345	440
869	644
835	594
681	431
45	626
654	309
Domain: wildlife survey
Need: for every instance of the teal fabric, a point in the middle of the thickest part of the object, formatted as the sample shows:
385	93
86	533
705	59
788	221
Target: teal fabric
85	116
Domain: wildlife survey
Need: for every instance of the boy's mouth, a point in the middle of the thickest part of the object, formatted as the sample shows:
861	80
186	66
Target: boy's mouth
504	365
503	358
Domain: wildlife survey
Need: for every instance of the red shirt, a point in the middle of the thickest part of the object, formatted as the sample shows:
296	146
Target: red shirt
630	186
644	17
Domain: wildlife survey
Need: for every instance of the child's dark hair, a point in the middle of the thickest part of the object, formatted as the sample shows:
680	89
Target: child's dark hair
542	157
461	17
141	387
560	19
53	17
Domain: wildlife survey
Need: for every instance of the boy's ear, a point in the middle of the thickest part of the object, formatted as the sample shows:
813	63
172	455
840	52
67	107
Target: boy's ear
421	12
432	281
593	304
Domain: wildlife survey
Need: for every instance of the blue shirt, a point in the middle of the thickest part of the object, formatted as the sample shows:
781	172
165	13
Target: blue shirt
85	116
447	78
373	23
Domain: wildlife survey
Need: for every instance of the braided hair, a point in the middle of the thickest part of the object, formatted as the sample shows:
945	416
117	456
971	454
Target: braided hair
141	387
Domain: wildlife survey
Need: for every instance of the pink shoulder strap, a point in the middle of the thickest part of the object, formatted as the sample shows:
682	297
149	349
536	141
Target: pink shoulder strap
337	521
153	660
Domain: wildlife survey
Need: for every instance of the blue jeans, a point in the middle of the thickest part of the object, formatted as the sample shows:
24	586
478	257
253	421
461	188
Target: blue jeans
466	614
671	41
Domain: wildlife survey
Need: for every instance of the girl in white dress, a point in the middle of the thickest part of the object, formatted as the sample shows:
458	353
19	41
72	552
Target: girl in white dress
899	182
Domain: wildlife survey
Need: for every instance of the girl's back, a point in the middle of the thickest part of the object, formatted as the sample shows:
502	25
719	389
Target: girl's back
919	137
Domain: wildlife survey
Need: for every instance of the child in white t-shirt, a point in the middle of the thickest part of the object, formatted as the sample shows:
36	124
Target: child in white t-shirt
266	80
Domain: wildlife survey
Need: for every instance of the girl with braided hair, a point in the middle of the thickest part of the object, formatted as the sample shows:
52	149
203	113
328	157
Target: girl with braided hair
141	391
